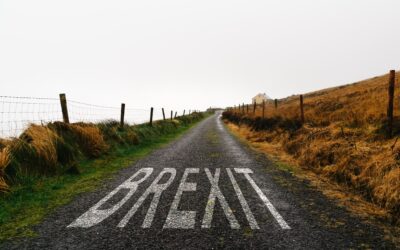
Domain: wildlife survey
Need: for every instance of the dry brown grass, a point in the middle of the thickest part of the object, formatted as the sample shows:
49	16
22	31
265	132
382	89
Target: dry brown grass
343	138
43	140
90	139
42	149
38	143
4	161
343	195
356	104
331	189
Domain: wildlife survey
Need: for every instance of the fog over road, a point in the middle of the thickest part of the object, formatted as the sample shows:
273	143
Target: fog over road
204	190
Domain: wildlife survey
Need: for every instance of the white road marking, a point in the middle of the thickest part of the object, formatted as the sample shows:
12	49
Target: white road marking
216	193
271	208
155	188
182	219
176	218
95	215
243	202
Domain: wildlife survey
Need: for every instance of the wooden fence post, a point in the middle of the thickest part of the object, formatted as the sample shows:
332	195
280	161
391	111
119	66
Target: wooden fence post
163	114
172	114
263	109
151	116
122	121
176	113
301	109
276	103
254	108
64	108
243	108
183	112
247	108
392	76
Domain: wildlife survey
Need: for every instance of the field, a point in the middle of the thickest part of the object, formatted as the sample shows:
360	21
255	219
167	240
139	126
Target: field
343	138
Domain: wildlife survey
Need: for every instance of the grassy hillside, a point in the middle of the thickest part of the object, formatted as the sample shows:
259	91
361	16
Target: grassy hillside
343	137
358	104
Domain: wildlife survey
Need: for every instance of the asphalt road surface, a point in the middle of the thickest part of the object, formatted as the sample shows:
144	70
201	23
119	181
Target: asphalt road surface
205	190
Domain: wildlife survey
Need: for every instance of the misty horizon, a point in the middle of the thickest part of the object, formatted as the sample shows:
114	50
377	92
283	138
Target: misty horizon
188	55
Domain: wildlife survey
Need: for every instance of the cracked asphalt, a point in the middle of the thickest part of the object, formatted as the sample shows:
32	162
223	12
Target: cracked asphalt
206	190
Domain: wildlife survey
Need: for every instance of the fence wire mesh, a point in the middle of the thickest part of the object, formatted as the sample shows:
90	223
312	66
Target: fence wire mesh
17	113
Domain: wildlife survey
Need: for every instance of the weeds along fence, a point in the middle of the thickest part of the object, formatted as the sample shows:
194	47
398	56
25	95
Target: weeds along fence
17	113
370	102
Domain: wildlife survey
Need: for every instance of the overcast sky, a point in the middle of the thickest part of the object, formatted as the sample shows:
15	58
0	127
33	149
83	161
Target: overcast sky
192	54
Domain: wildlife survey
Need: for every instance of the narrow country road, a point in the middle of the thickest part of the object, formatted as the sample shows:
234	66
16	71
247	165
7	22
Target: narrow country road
203	191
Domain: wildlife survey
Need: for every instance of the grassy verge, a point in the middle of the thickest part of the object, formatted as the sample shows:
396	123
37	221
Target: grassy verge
358	157
342	195
35	196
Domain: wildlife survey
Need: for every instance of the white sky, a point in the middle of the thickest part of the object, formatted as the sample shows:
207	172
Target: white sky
192	54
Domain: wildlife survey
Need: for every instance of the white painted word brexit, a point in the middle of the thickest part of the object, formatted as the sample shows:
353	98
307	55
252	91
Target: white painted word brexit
177	218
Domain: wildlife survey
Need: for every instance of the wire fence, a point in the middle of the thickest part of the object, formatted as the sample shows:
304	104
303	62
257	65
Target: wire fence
17	113
371	103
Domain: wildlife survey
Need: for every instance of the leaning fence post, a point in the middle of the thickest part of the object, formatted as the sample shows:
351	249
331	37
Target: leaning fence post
301	109
276	103
390	103
122	115
163	114
176	113
151	116
183	112
254	108
263	109
64	109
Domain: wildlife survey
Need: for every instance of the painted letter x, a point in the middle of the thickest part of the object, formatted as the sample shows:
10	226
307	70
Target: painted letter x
216	193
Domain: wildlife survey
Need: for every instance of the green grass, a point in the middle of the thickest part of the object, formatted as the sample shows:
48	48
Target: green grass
285	166
29	202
